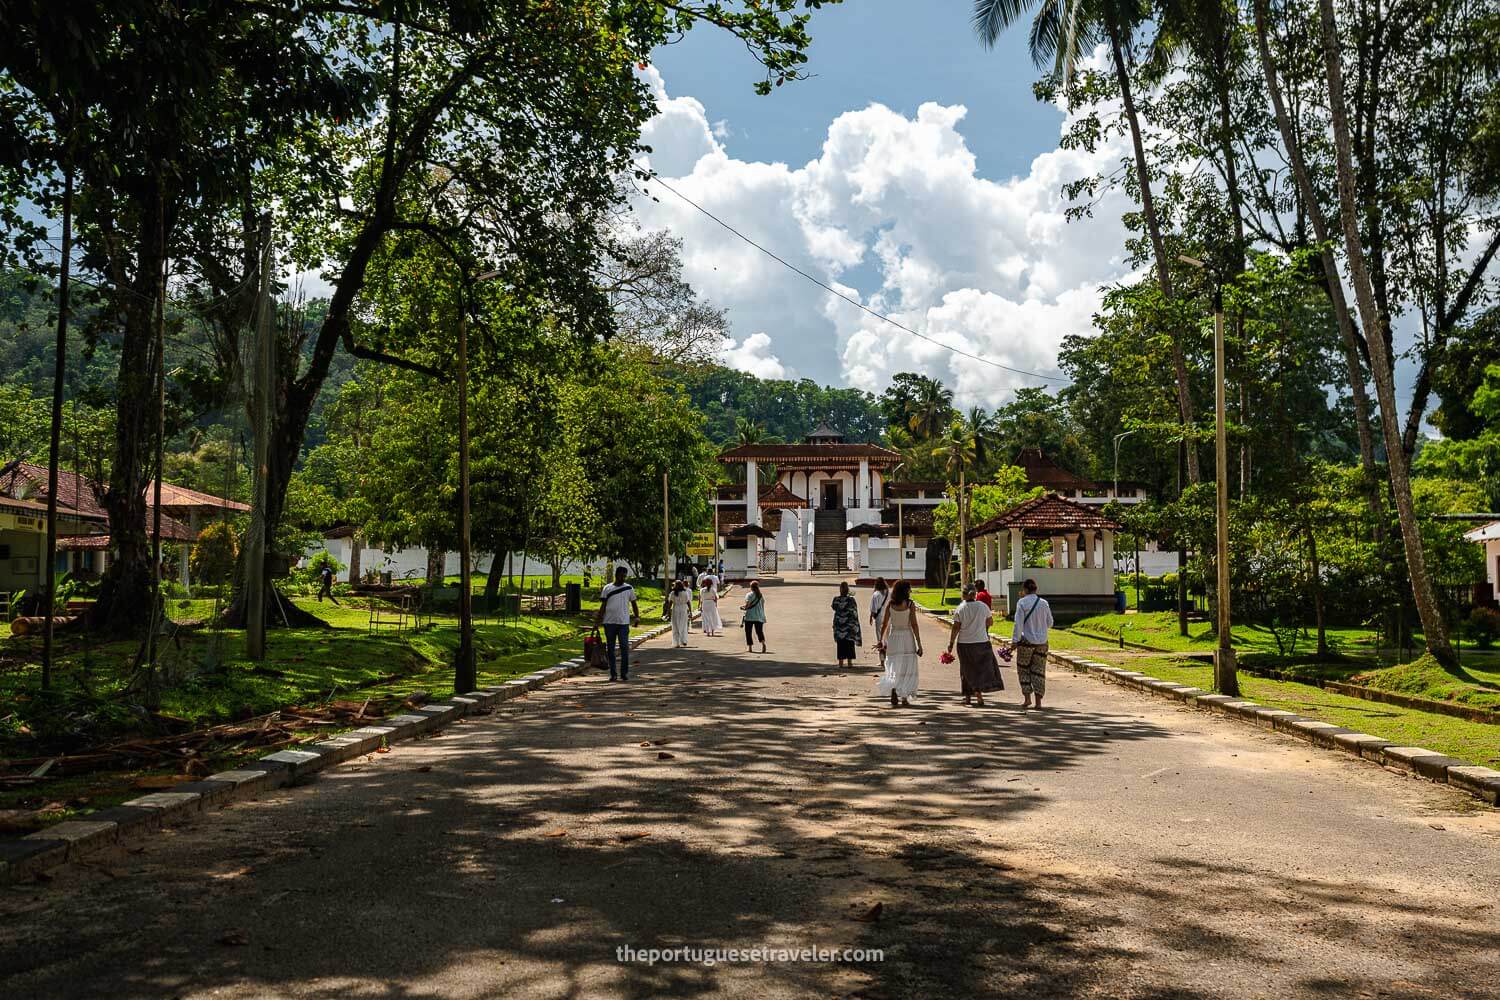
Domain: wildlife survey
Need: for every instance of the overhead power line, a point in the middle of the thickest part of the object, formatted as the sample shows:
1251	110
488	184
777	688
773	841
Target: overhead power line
852	301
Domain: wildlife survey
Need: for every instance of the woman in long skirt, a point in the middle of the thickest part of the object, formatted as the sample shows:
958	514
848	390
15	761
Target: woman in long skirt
901	639
708	601
846	634
681	603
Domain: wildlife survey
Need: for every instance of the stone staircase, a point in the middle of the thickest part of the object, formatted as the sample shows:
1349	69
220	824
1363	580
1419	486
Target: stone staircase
830	546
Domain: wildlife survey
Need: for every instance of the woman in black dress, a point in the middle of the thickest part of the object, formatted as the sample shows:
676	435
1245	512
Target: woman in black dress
846	634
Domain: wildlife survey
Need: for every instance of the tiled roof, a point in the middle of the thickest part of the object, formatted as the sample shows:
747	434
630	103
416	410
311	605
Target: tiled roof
172	530
910	488
75	492
812	456
1048	512
872	530
746	530
181	496
914	520
1041	470
824	431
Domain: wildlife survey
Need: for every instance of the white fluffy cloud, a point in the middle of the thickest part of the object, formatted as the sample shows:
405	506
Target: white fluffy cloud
893	213
752	356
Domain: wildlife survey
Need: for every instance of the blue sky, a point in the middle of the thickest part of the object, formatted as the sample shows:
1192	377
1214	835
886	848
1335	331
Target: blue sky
914	170
891	52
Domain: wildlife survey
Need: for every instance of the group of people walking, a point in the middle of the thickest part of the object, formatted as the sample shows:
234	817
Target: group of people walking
899	641
710	588
892	613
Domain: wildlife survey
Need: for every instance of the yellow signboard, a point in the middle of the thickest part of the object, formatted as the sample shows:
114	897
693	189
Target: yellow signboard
701	544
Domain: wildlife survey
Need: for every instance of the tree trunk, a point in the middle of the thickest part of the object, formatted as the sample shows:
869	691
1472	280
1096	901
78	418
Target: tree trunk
356	545
1317	591
436	557
1434	628
124	603
1158	245
492	580
1348	335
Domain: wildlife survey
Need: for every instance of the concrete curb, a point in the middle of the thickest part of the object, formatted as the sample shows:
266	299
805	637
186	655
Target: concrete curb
1481	782
73	839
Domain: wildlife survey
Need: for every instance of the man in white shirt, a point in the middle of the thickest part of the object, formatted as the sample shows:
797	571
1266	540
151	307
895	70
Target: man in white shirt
1033	620
977	671
618	610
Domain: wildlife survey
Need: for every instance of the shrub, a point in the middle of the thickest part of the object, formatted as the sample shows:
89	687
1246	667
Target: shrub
1484	626
215	553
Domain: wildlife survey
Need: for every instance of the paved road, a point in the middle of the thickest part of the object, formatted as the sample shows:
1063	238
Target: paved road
1115	845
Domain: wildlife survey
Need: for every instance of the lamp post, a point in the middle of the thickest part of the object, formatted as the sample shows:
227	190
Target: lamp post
1118	438
1225	679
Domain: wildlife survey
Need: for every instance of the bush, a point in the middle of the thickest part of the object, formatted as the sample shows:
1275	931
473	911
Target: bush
214	555
1484	626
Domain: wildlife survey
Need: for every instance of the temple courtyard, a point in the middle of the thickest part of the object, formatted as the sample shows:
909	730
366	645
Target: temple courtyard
1111	845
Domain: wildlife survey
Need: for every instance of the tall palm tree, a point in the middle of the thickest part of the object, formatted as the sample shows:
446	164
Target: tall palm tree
981	428
931	409
1061	31
747	431
956	449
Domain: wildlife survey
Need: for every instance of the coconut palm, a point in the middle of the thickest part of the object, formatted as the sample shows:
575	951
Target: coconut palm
931	408
1060	31
957	451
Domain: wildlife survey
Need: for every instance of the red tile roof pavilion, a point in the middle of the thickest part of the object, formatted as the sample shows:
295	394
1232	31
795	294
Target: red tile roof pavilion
830	455
1046	516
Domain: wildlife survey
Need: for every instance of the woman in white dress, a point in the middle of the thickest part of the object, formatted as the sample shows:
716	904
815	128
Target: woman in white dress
901	640
681	603
708	600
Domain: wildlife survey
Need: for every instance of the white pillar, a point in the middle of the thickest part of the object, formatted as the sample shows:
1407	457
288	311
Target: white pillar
752	516
1087	546
1108	562
864	551
864	483
1017	552
1057	552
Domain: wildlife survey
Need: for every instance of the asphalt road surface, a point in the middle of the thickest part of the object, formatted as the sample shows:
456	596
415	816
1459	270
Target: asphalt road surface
1111	845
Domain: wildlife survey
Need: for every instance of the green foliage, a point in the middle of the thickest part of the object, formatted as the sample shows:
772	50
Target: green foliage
1484	626
214	555
781	410
1006	490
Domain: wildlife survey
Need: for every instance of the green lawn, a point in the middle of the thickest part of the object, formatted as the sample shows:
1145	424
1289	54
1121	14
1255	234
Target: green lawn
1159	629
1473	741
208	680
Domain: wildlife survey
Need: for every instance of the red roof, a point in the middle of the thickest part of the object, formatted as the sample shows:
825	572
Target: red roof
181	496
172	530
1047	513
813	456
75	492
1042	471
79	495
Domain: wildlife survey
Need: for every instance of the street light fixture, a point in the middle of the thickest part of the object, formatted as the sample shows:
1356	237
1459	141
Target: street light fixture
1118	438
1225	679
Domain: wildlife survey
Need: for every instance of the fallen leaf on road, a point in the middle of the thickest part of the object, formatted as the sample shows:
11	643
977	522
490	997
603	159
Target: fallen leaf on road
559	832
425	767
645	743
235	937
666	756
382	749
1437	826
574	704
635	835
872	914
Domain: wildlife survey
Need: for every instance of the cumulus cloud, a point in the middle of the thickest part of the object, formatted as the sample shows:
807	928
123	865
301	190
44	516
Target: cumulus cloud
895	214
753	356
